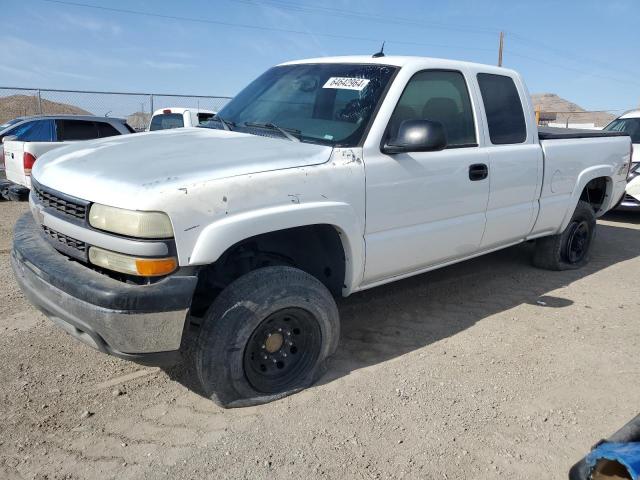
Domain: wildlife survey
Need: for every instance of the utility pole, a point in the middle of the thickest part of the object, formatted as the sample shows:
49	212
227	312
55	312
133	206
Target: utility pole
500	50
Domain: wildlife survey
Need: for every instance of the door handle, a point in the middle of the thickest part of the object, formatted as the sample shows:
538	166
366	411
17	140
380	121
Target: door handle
478	171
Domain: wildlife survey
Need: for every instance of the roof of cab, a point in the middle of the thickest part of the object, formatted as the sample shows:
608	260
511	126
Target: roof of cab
401	61
182	110
70	116
631	114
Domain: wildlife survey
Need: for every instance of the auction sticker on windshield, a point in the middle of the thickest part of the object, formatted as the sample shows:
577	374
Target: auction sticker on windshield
346	83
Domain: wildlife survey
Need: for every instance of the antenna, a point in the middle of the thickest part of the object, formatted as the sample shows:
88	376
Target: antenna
380	53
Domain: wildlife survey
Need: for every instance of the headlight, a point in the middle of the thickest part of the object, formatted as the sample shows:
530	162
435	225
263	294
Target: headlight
634	171
130	222
144	267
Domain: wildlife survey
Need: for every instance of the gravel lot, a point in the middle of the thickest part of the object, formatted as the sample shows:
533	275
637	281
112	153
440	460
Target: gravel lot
486	369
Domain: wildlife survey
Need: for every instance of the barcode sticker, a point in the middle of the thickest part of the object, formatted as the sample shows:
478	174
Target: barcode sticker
347	83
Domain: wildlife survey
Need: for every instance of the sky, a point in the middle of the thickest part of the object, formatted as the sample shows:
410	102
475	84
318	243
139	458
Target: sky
586	51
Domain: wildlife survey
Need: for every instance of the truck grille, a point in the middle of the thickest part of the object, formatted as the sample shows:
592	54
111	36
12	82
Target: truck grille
65	206
66	241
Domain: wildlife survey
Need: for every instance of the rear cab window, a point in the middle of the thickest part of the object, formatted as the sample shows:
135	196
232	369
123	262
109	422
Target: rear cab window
503	107
166	121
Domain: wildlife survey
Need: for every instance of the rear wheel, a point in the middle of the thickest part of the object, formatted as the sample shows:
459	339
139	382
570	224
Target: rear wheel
266	336
570	249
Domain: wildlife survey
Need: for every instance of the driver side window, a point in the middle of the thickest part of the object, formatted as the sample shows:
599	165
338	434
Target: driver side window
440	96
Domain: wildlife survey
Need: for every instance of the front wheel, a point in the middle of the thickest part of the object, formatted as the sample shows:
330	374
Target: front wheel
266	336
571	248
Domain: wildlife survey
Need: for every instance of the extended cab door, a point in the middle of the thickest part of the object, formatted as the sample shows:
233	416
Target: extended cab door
426	208
515	159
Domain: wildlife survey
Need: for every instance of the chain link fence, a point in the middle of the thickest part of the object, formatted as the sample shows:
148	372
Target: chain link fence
594	119
136	108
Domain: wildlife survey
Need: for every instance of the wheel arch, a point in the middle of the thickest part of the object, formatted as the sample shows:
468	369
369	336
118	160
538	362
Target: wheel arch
231	231
595	179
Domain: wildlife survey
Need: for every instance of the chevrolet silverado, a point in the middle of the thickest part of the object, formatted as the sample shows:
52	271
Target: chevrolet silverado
227	246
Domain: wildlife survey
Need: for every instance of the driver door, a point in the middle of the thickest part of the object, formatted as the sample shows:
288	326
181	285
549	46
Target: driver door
426	208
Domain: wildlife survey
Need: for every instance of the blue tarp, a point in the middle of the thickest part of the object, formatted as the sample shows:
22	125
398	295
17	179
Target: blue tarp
628	454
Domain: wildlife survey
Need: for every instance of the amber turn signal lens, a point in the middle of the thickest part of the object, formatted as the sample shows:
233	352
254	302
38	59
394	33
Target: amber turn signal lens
155	267
144	267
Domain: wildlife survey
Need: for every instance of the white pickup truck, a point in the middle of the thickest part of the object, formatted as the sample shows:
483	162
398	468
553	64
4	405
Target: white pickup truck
42	133
323	178
178	117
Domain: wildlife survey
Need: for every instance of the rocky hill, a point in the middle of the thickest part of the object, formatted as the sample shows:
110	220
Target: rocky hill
564	110
14	106
139	120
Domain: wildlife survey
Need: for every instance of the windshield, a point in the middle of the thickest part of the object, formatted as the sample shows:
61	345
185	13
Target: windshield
626	125
330	104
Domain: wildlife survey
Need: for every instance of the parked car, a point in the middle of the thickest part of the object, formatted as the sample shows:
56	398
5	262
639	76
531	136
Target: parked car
31	139
632	192
630	124
8	128
178	117
233	242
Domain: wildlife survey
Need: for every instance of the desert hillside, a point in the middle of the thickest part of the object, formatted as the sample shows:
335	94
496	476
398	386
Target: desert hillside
20	105
552	103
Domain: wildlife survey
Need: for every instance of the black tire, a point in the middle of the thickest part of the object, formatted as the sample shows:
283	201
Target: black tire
4	187
570	249
270	307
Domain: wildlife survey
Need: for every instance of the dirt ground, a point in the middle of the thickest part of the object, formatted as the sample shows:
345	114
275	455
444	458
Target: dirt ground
486	369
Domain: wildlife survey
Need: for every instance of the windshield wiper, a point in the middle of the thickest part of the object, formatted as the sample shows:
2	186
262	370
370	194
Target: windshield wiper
273	126
226	124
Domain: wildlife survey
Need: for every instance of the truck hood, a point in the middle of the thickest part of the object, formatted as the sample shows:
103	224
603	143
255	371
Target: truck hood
118	169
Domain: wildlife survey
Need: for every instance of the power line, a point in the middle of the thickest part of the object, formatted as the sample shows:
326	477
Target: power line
564	67
563	53
260	27
422	24
326	10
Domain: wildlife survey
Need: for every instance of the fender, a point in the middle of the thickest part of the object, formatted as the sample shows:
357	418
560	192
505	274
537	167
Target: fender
588	174
220	235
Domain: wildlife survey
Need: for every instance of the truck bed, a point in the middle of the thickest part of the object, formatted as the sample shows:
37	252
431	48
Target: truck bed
554	133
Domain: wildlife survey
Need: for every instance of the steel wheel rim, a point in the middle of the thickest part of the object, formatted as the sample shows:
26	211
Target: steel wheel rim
282	350
578	242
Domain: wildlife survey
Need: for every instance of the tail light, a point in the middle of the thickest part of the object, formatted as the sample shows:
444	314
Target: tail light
166	111
27	161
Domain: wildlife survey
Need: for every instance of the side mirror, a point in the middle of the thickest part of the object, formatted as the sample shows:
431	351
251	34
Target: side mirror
9	138
417	136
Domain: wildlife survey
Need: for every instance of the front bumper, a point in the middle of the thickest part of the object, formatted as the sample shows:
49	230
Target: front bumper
142	323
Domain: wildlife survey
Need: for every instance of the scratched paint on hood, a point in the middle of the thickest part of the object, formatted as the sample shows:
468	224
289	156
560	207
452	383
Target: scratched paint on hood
154	162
